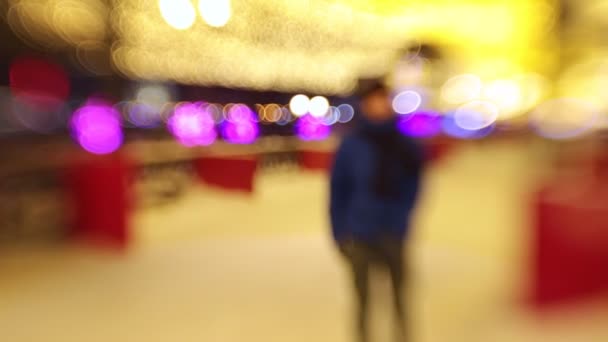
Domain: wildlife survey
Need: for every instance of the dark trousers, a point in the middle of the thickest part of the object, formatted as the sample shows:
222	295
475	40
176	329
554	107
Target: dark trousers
363	256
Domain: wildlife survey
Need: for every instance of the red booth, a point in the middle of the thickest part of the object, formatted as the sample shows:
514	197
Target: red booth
101	200
228	172
570	245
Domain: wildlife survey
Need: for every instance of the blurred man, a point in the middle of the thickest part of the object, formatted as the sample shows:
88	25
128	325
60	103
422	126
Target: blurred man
374	187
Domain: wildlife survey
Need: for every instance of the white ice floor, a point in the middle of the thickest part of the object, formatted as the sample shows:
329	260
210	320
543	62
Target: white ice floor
229	267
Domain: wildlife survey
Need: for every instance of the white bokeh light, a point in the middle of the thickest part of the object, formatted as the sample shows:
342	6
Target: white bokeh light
179	14
347	113
506	95
564	118
331	117
476	115
215	13
407	102
299	105
319	106
155	95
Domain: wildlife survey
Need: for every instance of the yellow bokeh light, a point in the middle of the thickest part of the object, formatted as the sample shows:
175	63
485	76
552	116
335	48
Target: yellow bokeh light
179	14
506	95
564	118
462	88
313	46
534	88
216	13
262	46
586	79
58	23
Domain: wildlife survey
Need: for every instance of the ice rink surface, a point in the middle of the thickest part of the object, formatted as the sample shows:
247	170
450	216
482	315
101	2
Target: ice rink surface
217	266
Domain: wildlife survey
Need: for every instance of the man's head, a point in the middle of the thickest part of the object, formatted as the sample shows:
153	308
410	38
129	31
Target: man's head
375	101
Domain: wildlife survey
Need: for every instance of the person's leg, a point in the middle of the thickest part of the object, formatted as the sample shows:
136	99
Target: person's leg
358	258
395	263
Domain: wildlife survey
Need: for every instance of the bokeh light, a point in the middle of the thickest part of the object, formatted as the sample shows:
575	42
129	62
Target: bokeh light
361	41
347	113
40	84
450	128
272	113
407	102
534	88
476	115
587	80
564	118
215	111
150	101
155	95
410	70
143	115
34	118
462	88
318	106
58	23
179	14
96	127
331	117
240	126
310	128
191	125
299	105
286	117
215	13
506	95
424	124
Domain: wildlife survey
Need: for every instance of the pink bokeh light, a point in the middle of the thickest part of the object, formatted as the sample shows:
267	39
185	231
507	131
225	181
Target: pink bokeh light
192	125
96	127
241	126
309	128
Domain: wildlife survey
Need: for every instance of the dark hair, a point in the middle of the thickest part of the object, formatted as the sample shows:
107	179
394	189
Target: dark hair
366	87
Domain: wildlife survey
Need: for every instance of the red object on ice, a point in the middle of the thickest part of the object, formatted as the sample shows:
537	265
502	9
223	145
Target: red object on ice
231	173
570	245
316	160
100	192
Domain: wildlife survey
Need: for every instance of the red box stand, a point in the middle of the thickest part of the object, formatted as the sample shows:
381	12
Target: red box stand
316	159
570	257
101	199
231	173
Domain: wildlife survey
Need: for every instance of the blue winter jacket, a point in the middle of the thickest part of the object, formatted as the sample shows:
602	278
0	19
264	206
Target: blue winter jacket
356	211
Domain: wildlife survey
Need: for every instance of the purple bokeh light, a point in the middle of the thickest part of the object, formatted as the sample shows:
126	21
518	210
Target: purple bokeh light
240	126
420	125
309	128
192	125
143	115
96	127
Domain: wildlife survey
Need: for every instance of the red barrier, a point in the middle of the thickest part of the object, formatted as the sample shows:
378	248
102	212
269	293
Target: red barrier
315	159
101	199
571	242
231	173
